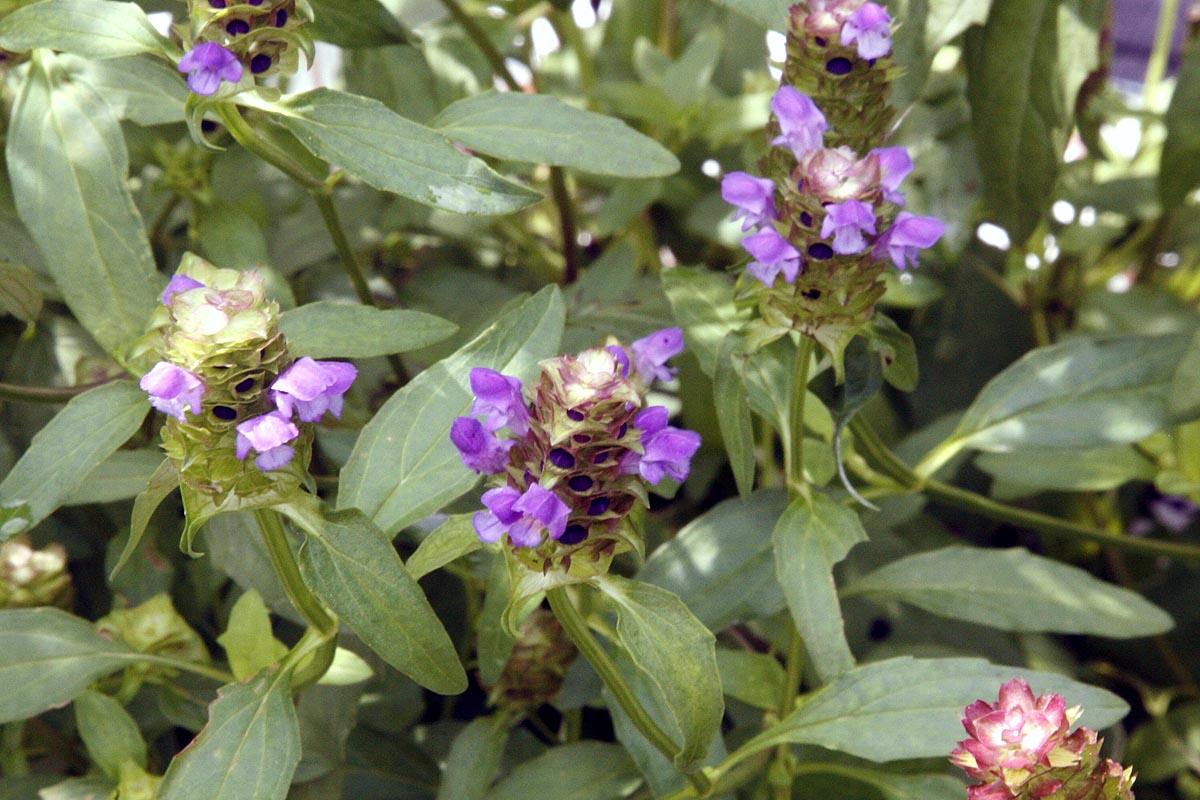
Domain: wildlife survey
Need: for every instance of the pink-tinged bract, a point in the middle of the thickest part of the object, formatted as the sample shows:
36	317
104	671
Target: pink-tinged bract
802	126
173	389
268	436
310	388
207	64
870	27
754	198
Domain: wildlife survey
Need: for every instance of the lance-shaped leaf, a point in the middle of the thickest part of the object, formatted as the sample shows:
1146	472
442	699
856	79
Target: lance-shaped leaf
541	129
910	708
453	539
247	751
47	657
702	302
68	163
357	23
676	656
474	758
733	418
404	466
351	565
1013	590
771	14
111	736
395	154
19	292
327	330
88	28
585	770
76	441
1180	169
810	538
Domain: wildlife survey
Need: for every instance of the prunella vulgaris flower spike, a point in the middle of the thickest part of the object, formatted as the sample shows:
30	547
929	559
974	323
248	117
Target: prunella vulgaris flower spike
207	65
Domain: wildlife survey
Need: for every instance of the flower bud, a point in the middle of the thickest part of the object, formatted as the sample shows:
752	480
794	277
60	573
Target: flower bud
539	661
31	578
155	627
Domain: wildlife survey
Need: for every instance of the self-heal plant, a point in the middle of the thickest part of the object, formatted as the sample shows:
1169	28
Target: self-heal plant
579	451
1021	748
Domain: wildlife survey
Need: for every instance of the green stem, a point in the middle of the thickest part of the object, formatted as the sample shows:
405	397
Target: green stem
1156	67
219	675
568	31
577	628
481	40
341	243
794	449
886	462
566	219
45	395
246	136
321	635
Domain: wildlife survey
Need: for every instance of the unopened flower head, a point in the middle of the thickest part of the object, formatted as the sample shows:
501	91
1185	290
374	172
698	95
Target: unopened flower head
570	456
1020	748
31	577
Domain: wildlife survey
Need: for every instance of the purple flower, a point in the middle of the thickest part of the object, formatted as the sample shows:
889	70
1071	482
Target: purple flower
268	436
801	123
754	198
847	222
480	449
650	354
895	164
208	64
869	26
522	516
179	283
499	397
908	234
1174	512
667	451
772	254
171	388
621	356
313	387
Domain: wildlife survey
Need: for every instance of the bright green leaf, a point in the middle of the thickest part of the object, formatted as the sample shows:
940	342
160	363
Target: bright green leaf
75	442
676	655
395	154
249	748
69	165
586	770
810	538
88	28
1013	590
721	563
754	678
910	708
122	475
109	733
733	417
1095	469
404	466
453	539
248	641
47	657
702	301
352	566
326	329
541	129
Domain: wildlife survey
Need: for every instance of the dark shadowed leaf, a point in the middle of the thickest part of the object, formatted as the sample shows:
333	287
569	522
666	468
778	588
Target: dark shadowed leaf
584	770
474	758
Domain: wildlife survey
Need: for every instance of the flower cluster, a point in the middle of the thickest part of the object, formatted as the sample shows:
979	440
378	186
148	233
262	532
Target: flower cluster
227	382
31	577
232	37
1020	749
827	218
577	453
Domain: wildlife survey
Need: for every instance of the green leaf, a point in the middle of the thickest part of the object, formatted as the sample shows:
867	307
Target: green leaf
351	565
585	770
721	563
676	655
474	758
1179	170
1013	590
1017	110
1166	745
47	657
702	301
897	351
68	165
326	329
357	23
248	641
810	538
19	292
395	154
450	541
540	129
88	28
771	14
754	678
122	475
733	418
1079	393
75	442
1095	469
404	466
162	483
495	643
142	89
249	748
917	703
109	733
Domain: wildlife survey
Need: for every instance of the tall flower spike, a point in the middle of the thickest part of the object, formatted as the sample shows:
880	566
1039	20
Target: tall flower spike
207	64
311	388
801	123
